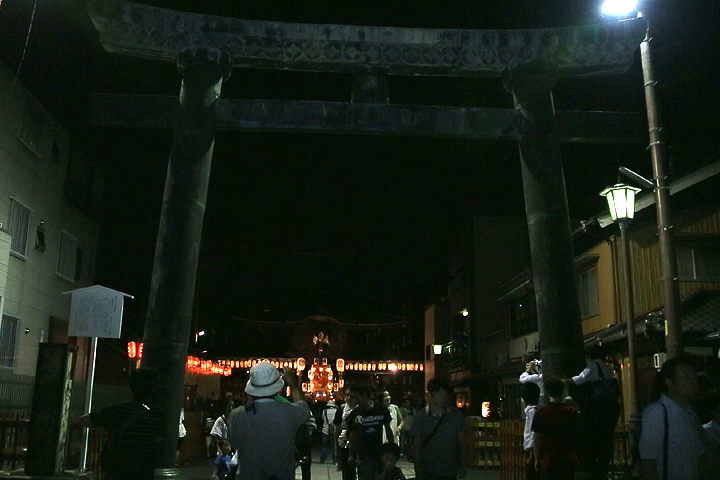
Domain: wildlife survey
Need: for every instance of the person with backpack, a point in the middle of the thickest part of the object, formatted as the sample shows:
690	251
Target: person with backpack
600	411
554	434
328	437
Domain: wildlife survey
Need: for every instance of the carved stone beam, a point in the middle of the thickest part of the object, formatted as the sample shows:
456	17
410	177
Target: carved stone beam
364	118
370	87
148	32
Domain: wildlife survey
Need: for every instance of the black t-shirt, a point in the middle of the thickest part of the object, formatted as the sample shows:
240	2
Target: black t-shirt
370	423
135	432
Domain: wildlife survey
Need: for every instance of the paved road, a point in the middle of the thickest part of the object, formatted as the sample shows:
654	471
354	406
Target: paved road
202	470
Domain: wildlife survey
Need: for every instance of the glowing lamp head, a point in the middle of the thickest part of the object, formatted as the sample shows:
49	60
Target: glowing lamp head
437	349
619	8
621	201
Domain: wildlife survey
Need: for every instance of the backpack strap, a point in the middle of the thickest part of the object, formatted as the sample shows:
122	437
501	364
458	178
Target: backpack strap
437	427
600	372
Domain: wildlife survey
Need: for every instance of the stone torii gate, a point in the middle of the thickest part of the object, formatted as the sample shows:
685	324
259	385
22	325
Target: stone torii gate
206	48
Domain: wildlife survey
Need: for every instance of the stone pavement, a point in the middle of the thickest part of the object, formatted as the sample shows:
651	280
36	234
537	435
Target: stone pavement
202	469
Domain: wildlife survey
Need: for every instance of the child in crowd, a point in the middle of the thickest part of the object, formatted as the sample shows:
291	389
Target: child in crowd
224	468
388	458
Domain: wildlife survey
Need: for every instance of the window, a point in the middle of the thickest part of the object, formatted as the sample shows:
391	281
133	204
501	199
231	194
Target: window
19	227
32	126
588	286
68	256
523	315
698	259
9	328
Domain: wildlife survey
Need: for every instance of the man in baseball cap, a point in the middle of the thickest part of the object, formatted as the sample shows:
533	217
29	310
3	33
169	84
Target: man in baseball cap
263	431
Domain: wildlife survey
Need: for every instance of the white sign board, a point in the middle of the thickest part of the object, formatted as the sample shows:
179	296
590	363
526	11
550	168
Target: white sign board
96	312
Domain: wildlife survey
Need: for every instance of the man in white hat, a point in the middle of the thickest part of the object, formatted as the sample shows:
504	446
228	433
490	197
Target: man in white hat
263	431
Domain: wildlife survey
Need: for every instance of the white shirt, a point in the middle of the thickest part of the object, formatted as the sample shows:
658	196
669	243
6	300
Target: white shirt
528	433
590	374
328	416
343	437
396	419
182	431
219	428
685	444
537	379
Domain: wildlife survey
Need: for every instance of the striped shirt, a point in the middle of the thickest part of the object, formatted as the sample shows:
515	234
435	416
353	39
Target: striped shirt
134	434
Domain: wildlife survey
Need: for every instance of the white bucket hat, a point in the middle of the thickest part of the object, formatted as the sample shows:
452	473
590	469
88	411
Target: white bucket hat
265	380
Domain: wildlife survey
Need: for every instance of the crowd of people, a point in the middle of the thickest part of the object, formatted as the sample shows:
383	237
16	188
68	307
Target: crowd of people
270	436
562	437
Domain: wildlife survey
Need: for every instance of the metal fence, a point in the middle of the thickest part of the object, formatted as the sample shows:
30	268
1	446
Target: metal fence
13	440
14	430
15	393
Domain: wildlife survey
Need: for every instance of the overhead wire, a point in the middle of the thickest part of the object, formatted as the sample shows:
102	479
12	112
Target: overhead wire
22	58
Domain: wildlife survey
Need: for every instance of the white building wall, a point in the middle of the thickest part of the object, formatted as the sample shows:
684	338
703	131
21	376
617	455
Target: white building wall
35	178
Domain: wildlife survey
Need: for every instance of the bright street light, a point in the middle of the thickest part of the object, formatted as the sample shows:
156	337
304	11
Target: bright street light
437	349
621	201
619	8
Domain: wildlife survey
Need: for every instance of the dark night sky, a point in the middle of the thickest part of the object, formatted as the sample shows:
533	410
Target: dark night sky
352	226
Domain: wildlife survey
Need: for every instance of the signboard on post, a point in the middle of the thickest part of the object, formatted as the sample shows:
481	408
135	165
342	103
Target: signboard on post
96	312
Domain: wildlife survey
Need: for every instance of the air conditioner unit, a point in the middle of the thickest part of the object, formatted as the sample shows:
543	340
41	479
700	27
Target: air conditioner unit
659	359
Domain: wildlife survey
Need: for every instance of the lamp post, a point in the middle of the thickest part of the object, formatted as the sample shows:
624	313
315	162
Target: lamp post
621	202
671	292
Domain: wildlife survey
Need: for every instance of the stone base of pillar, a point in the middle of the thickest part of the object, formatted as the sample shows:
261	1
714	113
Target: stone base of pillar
71	475
169	473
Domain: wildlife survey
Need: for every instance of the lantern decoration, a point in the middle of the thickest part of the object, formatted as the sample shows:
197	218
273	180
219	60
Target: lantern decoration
132	349
621	201
340	365
301	364
321	379
485	409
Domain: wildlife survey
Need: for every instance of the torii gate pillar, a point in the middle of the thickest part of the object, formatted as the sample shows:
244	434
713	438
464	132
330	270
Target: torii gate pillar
168	320
546	206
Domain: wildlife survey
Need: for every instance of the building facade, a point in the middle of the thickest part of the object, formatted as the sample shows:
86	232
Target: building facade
601	286
49	200
468	323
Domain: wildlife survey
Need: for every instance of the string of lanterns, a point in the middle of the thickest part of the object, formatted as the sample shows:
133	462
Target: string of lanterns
193	365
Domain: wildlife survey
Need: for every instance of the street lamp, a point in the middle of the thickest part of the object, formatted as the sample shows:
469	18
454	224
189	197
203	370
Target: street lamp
619	8
621	202
671	292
